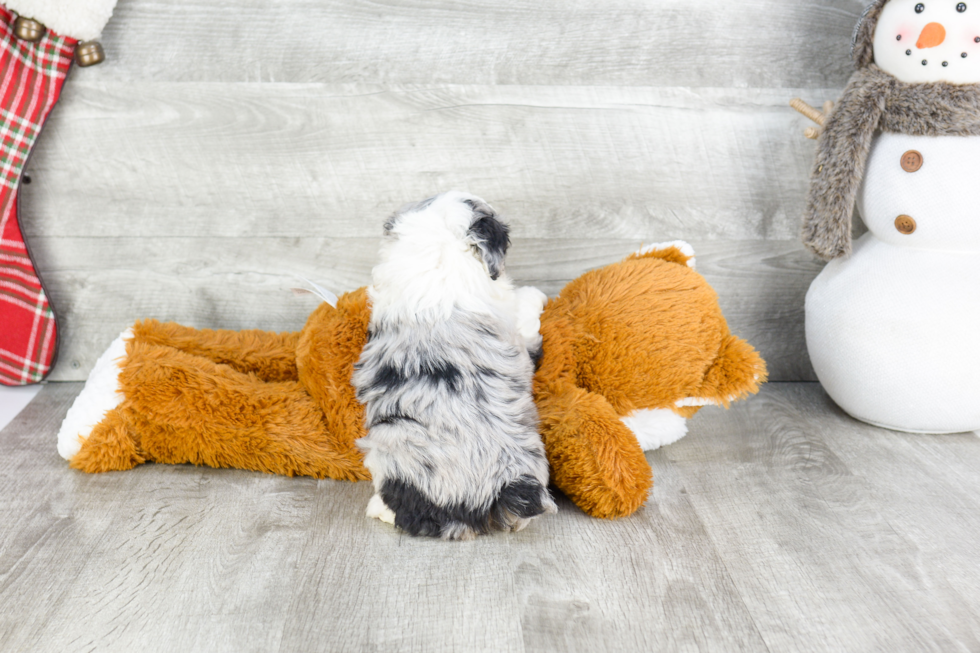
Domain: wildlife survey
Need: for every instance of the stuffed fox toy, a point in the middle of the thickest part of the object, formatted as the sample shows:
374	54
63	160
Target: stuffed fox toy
629	352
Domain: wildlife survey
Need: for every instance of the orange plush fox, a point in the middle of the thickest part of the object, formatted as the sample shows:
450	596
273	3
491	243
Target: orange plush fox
629	351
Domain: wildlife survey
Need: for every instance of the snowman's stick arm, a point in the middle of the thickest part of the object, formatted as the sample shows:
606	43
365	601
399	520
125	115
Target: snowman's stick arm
813	114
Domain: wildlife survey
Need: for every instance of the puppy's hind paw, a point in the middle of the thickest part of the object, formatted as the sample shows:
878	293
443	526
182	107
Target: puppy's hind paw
520	501
376	509
458	532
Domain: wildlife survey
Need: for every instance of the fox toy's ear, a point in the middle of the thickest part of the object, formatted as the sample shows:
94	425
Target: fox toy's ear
490	236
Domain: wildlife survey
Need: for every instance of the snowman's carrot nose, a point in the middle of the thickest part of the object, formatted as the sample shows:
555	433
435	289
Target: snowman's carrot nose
932	35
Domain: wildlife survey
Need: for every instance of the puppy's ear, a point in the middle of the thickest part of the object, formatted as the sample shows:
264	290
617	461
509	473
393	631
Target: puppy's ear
490	236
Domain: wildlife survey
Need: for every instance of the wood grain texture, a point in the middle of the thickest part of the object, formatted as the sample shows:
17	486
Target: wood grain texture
245	283
884	548
779	525
236	160
699	43
225	143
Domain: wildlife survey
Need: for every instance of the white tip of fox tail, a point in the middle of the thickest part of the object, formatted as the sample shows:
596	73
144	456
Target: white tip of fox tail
684	247
100	395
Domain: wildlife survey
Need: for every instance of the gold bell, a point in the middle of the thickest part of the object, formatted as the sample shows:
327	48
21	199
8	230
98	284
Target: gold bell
28	29
89	53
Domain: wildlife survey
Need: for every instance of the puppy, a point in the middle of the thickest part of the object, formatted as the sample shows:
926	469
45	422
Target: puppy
452	444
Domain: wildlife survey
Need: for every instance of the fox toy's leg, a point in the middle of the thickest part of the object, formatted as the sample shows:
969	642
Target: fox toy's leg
194	410
270	356
595	459
174	407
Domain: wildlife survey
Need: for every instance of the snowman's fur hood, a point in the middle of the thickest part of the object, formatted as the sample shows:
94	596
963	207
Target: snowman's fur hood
874	100
862	42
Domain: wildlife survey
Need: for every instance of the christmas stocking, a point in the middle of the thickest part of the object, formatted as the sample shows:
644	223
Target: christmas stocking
38	41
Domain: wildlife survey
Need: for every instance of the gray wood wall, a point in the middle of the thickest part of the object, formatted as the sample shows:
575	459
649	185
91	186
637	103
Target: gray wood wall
226	145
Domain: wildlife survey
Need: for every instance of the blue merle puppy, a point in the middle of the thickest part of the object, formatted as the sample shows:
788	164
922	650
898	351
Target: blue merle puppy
452	442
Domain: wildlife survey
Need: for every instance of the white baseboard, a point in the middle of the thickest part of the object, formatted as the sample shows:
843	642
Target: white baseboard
13	400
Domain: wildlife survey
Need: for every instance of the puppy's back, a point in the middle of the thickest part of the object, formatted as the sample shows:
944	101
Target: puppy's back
452	428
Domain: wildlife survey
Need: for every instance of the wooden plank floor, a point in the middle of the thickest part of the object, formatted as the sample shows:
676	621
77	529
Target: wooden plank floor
780	525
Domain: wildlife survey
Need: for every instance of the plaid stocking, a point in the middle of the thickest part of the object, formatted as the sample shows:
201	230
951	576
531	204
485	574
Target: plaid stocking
31	77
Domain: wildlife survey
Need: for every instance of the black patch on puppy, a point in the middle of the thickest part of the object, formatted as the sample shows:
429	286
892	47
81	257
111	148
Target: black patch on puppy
417	515
521	498
442	372
536	355
388	378
490	236
391	419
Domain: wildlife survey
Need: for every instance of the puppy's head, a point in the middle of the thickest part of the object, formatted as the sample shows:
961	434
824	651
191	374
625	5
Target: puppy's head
454	221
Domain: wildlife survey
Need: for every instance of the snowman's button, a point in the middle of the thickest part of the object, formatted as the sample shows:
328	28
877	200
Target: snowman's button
911	161
905	224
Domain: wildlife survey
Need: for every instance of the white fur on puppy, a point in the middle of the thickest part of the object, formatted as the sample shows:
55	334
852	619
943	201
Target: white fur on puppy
452	444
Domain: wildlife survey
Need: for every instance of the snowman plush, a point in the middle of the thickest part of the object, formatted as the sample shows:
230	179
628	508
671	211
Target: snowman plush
893	322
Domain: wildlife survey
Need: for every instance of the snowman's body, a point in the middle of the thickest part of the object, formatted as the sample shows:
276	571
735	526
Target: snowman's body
893	330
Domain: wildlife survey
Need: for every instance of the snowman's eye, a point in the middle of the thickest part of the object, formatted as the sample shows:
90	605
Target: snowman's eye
919	8
961	7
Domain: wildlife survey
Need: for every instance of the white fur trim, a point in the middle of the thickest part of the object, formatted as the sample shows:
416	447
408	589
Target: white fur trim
655	428
703	401
683	246
100	395
376	509
79	19
695	401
